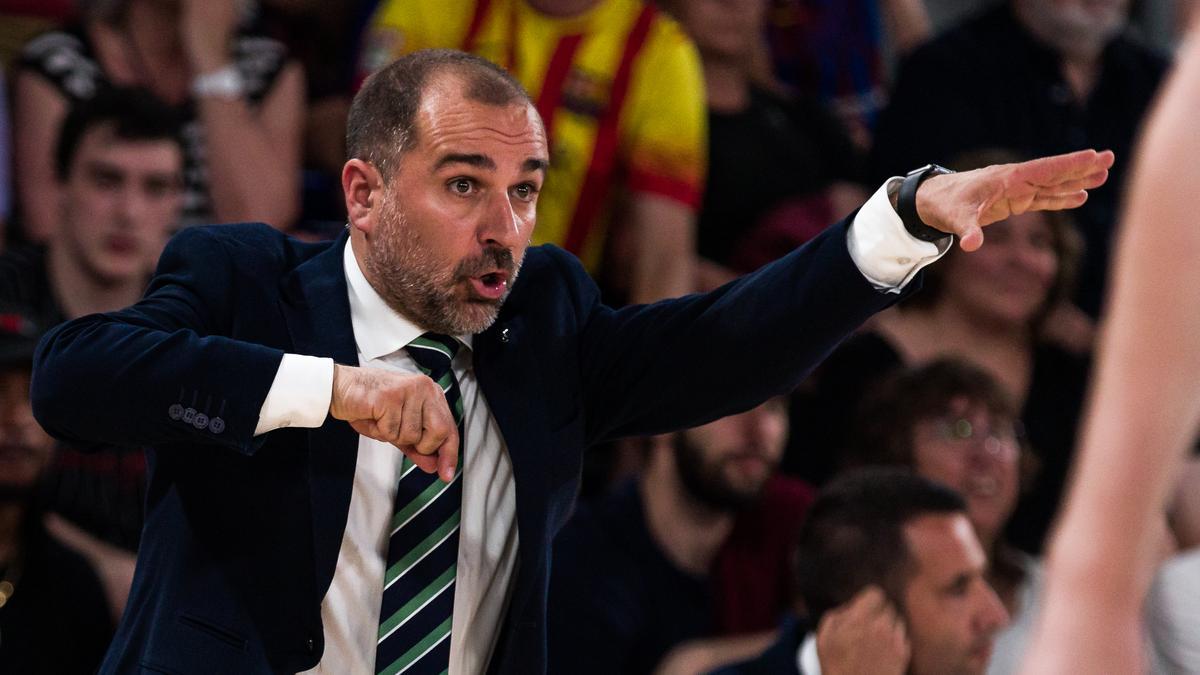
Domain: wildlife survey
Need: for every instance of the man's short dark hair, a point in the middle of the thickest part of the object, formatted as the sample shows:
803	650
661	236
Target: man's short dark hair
883	432
382	122
854	535
136	115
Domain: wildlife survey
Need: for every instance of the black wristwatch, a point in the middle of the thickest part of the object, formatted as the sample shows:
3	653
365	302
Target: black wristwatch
906	203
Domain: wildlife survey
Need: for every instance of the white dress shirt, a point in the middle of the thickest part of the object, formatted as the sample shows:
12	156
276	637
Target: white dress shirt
487	551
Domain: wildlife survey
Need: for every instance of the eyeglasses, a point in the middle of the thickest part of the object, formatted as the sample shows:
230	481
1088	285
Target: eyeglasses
1001	441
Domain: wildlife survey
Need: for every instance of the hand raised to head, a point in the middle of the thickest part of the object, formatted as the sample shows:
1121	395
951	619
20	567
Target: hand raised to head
964	203
865	636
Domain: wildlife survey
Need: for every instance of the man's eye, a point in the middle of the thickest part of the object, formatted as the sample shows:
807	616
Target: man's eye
462	186
524	191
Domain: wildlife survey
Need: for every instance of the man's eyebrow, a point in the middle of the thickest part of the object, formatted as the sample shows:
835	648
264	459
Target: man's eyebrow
475	160
535	164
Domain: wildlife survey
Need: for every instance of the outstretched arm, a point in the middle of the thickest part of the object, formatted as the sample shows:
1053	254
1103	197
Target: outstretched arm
728	350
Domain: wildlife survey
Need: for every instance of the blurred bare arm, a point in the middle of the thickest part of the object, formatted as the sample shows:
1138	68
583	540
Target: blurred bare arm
664	245
253	153
704	656
1144	406
907	23
38	112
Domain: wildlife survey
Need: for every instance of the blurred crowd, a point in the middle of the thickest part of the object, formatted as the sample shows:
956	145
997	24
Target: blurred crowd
888	516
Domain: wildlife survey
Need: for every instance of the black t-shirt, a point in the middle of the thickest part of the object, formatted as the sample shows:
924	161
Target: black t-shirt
100	488
617	604
57	620
773	151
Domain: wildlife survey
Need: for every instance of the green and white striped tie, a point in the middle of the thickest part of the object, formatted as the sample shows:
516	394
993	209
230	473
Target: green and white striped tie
422	556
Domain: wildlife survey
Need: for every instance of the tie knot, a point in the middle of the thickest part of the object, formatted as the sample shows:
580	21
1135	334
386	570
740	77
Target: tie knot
433	352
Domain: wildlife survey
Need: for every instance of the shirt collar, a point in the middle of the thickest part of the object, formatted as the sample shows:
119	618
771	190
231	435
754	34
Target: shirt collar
807	658
379	330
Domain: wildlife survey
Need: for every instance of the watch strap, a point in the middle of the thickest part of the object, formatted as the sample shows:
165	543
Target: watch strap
906	203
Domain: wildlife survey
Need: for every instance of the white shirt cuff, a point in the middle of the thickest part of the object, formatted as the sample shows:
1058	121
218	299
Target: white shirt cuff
886	254
299	396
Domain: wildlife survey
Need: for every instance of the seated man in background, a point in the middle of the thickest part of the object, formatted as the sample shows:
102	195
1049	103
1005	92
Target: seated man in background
889	530
53	615
119	167
698	548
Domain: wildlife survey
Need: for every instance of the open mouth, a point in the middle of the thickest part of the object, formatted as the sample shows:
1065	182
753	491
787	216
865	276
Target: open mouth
491	286
983	486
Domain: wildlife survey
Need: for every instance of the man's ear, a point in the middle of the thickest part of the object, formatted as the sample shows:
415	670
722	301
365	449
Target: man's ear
362	187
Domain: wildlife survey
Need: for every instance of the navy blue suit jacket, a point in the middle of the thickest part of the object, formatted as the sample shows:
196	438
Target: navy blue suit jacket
242	533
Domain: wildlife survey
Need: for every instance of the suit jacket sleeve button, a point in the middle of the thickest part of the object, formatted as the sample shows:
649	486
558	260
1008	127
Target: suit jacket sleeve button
201	421
175	411
216	425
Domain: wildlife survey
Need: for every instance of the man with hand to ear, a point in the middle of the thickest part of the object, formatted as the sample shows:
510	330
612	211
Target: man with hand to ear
892	574
279	539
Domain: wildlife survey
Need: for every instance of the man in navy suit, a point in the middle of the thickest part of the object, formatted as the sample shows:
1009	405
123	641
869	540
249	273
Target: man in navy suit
275	381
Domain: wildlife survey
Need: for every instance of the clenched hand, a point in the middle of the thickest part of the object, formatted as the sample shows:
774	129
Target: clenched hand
407	410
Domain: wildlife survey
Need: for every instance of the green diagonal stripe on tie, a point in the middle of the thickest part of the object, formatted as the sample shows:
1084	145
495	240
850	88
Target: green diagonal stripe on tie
421	550
458	409
446	380
431	344
410	608
427	495
435	636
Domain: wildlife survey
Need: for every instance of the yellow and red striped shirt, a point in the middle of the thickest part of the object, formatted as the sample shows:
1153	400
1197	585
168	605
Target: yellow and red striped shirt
619	87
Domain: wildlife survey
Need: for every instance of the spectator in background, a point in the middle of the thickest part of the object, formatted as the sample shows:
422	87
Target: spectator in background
620	90
889	530
698	548
6	185
53	615
1038	76
119	167
952	423
766	153
987	308
240	96
837	52
326	39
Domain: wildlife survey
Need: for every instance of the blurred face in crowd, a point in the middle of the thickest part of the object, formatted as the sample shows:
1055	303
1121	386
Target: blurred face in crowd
950	610
726	463
976	453
1076	25
458	213
25	449
1009	280
728	29
120	200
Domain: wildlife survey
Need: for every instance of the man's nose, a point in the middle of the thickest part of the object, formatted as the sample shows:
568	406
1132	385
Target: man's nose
131	203
992	615
501	226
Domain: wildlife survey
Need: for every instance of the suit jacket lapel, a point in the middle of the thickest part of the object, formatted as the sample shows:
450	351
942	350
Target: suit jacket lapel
317	310
503	363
